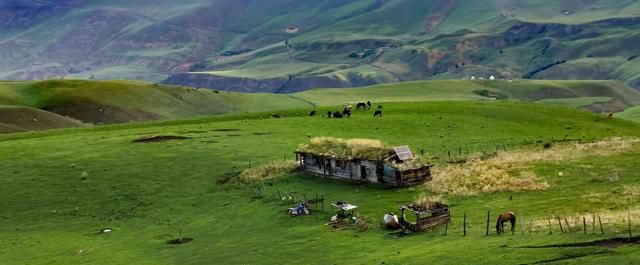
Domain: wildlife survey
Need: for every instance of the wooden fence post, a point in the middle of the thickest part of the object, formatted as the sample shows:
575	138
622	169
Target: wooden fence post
550	232
600	222
560	224
464	223
446	228
322	200
629	222
593	224
180	231
488	217
584	225
568	226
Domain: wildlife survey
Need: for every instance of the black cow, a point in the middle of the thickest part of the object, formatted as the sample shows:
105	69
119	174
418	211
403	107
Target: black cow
346	112
329	113
275	116
378	113
312	113
368	104
338	115
361	105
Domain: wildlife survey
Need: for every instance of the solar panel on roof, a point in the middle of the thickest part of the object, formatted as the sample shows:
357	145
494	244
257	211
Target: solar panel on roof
403	152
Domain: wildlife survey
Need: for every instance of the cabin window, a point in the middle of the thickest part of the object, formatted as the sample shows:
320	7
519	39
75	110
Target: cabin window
341	164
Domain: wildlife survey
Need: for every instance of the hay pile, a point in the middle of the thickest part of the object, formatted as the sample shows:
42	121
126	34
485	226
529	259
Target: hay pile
510	171
428	203
347	149
268	171
482	177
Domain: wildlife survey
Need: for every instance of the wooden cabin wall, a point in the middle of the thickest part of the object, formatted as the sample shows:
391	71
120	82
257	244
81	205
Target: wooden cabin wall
371	172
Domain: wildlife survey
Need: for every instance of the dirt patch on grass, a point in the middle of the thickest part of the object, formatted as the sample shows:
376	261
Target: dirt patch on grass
226	178
604	243
159	138
568	257
178	241
194	132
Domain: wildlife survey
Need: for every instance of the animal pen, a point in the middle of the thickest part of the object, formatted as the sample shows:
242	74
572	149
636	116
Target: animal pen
362	160
425	218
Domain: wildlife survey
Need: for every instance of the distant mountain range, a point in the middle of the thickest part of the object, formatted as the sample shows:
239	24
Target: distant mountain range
291	45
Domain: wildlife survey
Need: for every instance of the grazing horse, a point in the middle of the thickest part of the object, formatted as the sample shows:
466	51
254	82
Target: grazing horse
312	113
503	218
378	113
361	105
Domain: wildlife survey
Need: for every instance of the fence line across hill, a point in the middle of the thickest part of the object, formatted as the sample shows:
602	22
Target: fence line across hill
477	224
588	224
448	151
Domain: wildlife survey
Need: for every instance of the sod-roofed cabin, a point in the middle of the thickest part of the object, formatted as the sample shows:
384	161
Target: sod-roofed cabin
362	160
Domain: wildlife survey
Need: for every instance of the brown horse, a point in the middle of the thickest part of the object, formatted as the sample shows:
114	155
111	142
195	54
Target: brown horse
503	218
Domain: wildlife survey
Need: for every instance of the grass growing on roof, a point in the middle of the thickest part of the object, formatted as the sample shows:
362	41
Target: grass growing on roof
347	148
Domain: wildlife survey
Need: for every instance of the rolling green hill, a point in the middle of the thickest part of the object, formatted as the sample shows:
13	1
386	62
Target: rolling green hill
108	102
21	119
60	187
632	113
240	45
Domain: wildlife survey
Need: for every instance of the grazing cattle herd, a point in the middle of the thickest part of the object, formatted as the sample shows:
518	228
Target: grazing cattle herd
345	113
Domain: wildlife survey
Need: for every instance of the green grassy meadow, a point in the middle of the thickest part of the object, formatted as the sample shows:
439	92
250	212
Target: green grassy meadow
59	187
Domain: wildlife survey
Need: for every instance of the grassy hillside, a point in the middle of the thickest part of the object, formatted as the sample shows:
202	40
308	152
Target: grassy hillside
632	114
105	102
108	102
60	187
538	90
20	119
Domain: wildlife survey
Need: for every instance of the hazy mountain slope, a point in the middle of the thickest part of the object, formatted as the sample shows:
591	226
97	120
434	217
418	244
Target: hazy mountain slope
240	45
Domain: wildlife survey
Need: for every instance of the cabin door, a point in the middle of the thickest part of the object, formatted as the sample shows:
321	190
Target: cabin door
363	172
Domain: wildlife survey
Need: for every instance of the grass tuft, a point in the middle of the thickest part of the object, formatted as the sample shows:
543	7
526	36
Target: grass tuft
268	171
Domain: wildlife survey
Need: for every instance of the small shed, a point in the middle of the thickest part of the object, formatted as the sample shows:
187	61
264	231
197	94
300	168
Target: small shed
362	160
